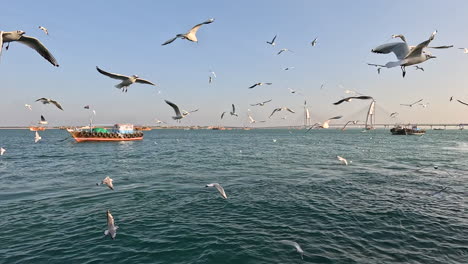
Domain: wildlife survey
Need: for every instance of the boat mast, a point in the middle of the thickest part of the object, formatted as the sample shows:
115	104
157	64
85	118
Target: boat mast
306	115
370	120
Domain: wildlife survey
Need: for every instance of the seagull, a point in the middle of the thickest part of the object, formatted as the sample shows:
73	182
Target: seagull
288	68
43	121
294	244
34	43
281	109
378	70
191	35
2	150
465	50
28	106
261	103
220	189
107	181
233	112
222	115
314	42
419	68
176	110
159	121
213	73
283	50
186	113
349	122
253	121
394	114
349	99
272	42
50	101
260	84
451	98
462	102
37	137
44	29
126	80
411	105
321	86
405	54
325	124
210	79
111	227
342	160
292	90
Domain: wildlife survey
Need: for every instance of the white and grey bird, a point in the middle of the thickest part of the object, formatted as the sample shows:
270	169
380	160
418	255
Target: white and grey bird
411	105
2	150
213	73
288	68
292	90
34	43
37	137
191	35
272	42
126	80
325	124
43	121
28	106
107	181
233	112
393	115
186	113
349	122
342	160
44	29
159	121
418	68
253	121
111	227
49	101
314	42
178	115
295	245
261	103
259	84
405	54
219	188
283	50
281	109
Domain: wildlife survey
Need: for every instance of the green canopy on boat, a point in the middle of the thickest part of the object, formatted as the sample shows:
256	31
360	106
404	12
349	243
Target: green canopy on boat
100	129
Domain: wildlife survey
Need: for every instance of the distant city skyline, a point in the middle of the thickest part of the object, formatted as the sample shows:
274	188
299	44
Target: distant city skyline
126	39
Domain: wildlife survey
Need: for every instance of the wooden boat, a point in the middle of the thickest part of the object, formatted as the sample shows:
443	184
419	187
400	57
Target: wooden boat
120	132
36	128
414	130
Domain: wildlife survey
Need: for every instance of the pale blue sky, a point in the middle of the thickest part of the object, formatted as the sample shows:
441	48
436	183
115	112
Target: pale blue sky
125	37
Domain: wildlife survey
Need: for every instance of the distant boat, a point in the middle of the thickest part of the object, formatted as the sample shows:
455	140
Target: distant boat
401	130
120	132
36	128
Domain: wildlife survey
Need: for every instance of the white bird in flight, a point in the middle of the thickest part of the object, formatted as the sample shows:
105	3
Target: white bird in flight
261	103
18	36
111	227
126	80
314	42
349	122
288	68
342	160
281	109
283	50
411	105
253	121
325	124
233	112
28	106
49	101
419	68
219	188
178	115
2	150
295	245
37	137
191	35
272	42
259	84
107	181
44	29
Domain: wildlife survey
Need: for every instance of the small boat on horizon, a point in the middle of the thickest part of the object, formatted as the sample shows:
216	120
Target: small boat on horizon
120	132
402	130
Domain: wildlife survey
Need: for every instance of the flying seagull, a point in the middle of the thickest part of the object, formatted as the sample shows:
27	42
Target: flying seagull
107	181
314	42
378	70
186	113
283	50
419	68
451	98
349	99
191	35
111	227
34	43
281	109
43	121
219	188
178	115
222	115
126	80
37	137
288	68
342	160
394	114
50	101
411	105
462	102
272	42
465	50
2	150
294	244
233	112
325	124
253	121
347	123
259	84
261	103
28	106
44	29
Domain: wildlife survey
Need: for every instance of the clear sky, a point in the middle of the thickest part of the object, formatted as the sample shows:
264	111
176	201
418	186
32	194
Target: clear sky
125	37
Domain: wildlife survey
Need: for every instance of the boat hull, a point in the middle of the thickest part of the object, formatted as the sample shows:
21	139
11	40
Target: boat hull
104	137
97	139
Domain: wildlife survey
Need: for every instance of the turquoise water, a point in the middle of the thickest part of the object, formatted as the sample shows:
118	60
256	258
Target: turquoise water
382	208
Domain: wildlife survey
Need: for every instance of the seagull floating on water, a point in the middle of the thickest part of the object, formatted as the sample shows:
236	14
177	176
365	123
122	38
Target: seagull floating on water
44	29
349	99
281	109
219	188
37	137
259	84
49	101
261	103
342	160
411	105
272	42
191	35
2	150
107	181
295	245
34	43
111	227
126	80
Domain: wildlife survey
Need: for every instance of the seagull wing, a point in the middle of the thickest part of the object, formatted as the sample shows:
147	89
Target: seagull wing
197	27
112	75
42	118
253	86
417	102
342	100
175	107
441	47
222	115
57	104
220	190
233	108
138	80
400	49
268	83
42	100
290	110
1	42
292	243
462	102
170	41
273	40
335	117
274	111
279	52
363	97
35	44
267	101
251	119
417	51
